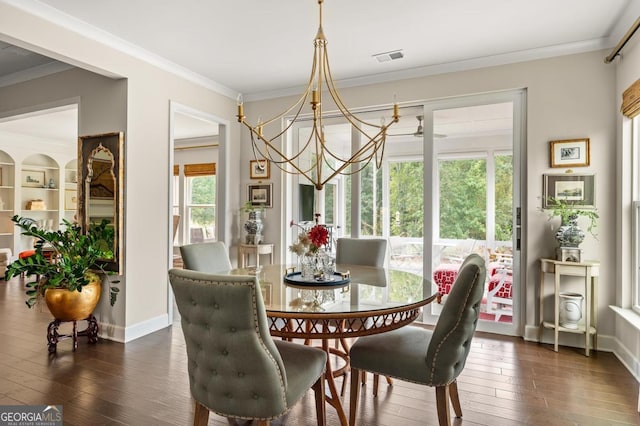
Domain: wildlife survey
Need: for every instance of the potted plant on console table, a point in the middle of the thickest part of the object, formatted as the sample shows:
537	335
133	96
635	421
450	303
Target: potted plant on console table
569	235
67	268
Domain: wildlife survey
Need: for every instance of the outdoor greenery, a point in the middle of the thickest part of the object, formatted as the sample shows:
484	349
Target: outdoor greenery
406	201
203	192
463	195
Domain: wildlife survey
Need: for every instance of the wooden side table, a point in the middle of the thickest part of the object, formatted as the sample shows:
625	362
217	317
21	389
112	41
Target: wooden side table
246	250
588	269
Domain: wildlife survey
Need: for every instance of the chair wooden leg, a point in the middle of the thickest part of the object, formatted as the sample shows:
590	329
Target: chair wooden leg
355	393
263	422
455	400
376	379
318	389
201	415
442	403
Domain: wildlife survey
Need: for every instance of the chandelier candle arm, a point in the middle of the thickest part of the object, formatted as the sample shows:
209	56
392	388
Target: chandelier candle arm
319	81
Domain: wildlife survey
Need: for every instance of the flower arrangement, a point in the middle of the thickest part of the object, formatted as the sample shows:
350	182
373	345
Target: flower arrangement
310	241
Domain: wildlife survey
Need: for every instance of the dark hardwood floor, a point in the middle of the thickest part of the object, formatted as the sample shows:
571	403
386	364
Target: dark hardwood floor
506	381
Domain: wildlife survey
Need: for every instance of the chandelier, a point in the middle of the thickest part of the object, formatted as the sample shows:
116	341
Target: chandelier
320	81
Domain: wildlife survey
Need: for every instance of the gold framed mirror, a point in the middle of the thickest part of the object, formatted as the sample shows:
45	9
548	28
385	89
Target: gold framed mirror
100	191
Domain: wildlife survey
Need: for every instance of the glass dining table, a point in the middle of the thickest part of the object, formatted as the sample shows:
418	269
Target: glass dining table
356	301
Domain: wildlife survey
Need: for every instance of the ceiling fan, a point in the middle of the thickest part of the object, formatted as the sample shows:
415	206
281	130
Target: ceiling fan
419	131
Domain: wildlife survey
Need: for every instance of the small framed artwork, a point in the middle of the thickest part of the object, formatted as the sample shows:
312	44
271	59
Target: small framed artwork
33	178
260	195
260	169
570	153
70	199
575	189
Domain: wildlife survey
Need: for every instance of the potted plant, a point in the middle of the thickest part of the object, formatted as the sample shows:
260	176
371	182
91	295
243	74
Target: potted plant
65	265
569	233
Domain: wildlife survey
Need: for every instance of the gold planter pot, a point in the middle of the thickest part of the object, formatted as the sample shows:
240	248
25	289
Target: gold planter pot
66	305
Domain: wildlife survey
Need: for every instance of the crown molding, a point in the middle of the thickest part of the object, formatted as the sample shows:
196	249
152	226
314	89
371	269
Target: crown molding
48	13
466	65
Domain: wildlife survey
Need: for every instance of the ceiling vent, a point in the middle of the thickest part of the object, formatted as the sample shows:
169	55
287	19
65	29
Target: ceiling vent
389	56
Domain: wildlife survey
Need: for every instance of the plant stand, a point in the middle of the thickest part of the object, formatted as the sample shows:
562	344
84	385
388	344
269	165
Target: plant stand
53	337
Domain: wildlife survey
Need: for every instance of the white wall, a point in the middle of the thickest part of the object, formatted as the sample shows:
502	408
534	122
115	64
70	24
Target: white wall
147	217
567	97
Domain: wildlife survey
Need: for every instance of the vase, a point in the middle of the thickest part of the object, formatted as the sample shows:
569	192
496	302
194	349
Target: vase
314	265
254	227
569	233
68	305
570	309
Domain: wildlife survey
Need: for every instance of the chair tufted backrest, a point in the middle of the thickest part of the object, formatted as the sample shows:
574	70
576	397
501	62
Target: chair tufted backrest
451	339
361	251
234	366
206	257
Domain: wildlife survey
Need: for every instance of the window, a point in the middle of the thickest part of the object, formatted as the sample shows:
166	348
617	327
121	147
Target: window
635	146
200	207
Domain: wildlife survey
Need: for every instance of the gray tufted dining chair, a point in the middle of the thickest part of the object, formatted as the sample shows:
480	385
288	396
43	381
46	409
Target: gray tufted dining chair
366	252
210	257
361	251
235	369
433	358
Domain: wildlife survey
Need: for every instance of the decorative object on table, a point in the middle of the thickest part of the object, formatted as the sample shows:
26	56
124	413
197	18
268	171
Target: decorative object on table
570	309
65	264
253	225
315	262
577	190
372	135
259	169
260	195
35	205
570	153
569	235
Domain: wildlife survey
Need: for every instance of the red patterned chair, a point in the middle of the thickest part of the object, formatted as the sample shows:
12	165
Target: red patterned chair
500	288
444	276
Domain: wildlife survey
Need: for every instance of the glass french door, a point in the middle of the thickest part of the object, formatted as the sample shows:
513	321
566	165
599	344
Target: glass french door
444	190
472	154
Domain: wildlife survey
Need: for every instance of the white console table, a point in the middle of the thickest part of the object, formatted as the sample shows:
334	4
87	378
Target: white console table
245	250
588	269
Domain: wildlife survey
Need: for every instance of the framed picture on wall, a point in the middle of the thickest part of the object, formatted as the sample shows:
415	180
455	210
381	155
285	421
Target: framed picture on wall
260	195
260	169
570	153
33	178
575	189
70	199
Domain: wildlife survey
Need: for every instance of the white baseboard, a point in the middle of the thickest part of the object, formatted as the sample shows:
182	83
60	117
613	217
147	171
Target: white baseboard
132	332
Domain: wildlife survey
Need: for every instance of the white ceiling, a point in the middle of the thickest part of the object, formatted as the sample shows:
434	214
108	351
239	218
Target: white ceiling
264	48
257	47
